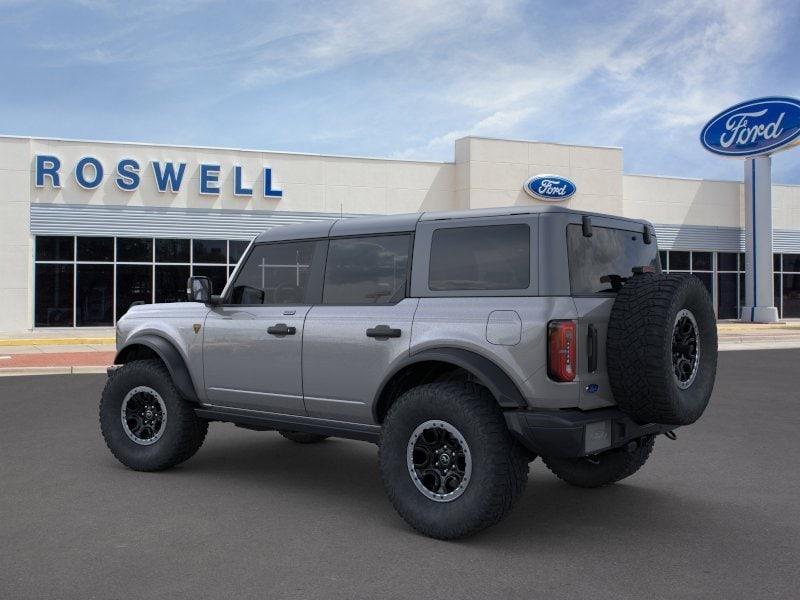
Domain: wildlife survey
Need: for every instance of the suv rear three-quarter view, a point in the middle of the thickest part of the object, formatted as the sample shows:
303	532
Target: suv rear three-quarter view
464	344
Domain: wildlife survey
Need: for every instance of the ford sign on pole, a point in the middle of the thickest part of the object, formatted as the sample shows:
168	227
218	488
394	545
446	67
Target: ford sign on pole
550	187
752	128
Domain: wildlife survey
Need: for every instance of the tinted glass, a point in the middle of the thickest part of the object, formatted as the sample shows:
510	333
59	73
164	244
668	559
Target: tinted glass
678	261
172	251
726	261
368	270
217	275
134	283
663	256
741	291
95	290
701	261
791	263
791	296
726	288
776	292
134	250
53	295
236	249
707	279
608	254
776	262
275	274
54	247
210	251
96	249
171	283
491	257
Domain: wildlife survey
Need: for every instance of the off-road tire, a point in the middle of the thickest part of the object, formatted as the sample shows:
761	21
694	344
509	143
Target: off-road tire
604	468
639	348
499	463
303	438
184	431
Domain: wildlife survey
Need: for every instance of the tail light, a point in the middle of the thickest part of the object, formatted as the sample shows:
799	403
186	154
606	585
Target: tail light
561	350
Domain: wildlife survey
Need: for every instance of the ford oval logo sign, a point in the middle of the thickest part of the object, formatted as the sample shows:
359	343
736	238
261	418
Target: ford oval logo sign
550	187
754	127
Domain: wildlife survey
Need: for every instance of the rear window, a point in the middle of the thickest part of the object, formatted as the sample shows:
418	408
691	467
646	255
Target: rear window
597	262
489	257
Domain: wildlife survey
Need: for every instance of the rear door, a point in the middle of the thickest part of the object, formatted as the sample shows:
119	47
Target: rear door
598	265
252	348
362	326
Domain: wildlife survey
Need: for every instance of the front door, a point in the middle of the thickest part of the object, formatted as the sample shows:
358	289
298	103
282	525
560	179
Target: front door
252	346
362	326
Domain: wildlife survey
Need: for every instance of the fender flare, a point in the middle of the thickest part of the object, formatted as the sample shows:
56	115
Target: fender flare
497	381
170	356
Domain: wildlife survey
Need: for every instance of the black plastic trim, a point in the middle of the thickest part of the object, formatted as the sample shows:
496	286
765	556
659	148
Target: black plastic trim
353	431
560	433
171	358
489	374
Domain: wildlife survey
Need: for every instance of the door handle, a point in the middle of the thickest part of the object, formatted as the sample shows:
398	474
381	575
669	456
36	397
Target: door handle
281	329
383	331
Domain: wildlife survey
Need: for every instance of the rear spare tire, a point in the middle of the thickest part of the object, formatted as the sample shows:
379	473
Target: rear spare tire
662	348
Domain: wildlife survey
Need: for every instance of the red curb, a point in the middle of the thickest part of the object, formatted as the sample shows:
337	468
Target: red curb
58	359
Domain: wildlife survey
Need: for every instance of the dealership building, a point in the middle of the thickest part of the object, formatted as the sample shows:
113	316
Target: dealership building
88	227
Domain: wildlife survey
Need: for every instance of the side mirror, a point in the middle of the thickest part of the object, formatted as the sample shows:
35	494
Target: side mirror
199	289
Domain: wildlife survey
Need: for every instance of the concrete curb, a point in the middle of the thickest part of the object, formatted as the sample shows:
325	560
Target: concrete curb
30	371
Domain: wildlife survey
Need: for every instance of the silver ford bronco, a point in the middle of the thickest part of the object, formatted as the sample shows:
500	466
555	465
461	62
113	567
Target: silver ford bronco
465	344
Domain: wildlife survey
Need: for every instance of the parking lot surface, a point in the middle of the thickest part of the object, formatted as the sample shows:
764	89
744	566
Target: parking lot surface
715	514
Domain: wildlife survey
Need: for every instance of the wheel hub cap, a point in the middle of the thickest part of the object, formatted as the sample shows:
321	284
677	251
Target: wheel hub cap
439	461
144	415
685	349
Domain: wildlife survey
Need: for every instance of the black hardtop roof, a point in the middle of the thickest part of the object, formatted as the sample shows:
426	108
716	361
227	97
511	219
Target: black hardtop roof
363	225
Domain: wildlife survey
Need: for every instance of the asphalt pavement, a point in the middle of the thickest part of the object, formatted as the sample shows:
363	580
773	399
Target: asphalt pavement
715	514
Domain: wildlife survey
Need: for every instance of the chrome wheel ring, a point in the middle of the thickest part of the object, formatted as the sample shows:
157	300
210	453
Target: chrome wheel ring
685	348
439	461
144	415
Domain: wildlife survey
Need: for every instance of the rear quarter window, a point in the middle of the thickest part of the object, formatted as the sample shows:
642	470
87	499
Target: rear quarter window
608	253
487	257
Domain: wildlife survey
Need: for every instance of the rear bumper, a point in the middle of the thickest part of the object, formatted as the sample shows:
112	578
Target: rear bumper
572	433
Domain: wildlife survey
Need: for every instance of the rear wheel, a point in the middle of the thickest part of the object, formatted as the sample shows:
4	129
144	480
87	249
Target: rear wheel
302	438
448	462
145	422
604	468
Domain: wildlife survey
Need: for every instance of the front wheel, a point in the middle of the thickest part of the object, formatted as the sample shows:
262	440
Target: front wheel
145	422
448	462
604	468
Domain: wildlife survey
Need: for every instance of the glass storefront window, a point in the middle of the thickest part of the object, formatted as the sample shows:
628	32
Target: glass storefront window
95	295
678	261
96	249
727	307
55	247
727	261
702	261
53	295
236	249
171	283
134	250
134	284
210	251
791	296
172	251
791	263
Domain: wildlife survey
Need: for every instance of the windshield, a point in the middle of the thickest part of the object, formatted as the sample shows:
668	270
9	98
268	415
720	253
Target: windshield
602	263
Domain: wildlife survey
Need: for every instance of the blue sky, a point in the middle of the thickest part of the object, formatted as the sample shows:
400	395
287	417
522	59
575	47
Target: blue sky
399	79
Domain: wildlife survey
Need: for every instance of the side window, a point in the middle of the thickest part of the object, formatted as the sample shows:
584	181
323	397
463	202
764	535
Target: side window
275	274
487	257
366	270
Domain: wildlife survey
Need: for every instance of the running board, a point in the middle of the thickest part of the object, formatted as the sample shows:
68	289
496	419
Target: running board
256	419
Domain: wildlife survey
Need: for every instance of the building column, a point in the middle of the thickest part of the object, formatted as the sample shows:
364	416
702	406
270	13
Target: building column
758	278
